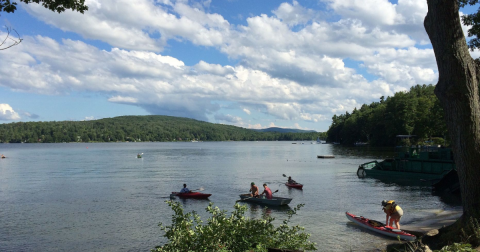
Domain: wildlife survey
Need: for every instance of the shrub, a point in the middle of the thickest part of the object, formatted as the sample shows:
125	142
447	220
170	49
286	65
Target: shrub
231	233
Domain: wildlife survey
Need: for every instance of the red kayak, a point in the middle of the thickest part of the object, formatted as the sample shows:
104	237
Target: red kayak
296	185
379	227
192	195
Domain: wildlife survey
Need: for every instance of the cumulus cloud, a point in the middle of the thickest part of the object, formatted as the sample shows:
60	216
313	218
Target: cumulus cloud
7	113
135	24
292	64
121	99
294	14
228	118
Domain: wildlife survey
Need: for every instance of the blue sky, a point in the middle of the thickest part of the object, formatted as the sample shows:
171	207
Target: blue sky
248	63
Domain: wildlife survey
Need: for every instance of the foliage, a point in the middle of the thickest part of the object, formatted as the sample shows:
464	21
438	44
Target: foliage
137	128
53	5
471	234
473	21
230	233
457	247
417	112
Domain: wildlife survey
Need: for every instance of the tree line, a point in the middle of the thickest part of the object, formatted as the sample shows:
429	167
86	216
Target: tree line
138	129
415	112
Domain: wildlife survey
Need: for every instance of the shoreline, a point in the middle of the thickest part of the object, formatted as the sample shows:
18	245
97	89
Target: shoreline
433	223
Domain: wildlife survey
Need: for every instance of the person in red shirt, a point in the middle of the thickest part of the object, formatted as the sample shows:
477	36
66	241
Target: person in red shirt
267	192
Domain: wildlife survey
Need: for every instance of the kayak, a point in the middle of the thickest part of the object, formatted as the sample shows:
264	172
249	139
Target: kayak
275	201
379	227
296	185
192	195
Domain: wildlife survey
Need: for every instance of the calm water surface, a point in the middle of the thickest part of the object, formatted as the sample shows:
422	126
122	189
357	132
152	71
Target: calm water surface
100	197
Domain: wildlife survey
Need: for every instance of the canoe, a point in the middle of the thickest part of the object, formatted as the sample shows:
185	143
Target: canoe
275	201
192	195
296	185
379	227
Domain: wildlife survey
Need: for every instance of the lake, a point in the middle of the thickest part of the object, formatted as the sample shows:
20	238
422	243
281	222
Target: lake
100	197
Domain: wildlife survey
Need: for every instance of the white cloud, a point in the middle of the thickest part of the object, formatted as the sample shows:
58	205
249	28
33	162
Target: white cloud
7	113
292	65
293	14
134	24
254	126
228	118
371	12
121	99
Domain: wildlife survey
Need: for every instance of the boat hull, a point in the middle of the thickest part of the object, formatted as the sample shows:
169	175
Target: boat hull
275	201
191	195
384	230
298	186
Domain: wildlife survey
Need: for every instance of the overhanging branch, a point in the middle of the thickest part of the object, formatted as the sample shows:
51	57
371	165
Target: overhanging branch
9	41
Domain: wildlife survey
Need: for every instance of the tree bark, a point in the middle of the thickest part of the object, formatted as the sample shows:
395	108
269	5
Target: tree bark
457	90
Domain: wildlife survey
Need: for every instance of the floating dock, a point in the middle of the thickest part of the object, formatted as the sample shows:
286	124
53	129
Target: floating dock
325	156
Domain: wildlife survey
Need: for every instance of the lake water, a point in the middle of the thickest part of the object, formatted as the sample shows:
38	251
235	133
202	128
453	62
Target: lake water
100	197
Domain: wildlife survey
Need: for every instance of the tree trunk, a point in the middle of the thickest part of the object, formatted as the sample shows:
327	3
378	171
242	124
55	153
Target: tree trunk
457	90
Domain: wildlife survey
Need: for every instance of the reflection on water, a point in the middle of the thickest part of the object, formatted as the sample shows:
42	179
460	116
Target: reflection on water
59	197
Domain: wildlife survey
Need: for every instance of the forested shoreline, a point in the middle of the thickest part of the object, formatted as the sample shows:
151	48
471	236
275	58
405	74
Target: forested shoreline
138	129
416	112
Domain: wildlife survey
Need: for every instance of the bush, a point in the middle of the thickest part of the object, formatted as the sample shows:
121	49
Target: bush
231	233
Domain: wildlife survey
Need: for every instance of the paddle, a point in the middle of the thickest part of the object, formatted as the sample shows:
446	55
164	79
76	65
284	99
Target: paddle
199	189
251	197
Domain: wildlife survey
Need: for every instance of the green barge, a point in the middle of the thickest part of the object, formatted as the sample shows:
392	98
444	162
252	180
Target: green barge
421	163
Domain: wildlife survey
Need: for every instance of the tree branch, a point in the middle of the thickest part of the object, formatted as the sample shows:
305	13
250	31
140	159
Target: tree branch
15	41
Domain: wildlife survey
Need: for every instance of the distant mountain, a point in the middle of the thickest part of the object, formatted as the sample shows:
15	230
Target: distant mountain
284	130
141	129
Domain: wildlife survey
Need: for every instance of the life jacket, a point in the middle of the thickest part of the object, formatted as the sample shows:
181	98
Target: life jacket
393	206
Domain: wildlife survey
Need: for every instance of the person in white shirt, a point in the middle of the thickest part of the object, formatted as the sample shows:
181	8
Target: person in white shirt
184	189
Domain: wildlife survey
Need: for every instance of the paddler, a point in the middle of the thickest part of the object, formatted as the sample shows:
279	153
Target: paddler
254	190
393	211
267	191
291	181
184	189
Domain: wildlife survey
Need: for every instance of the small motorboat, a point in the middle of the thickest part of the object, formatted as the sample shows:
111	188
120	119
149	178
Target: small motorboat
294	185
192	195
379	227
275	201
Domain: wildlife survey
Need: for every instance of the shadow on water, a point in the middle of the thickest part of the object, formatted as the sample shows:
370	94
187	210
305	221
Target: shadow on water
362	152
191	201
255	208
451	199
410	183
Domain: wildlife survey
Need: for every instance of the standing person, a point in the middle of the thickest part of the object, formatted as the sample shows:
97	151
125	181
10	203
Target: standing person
254	190
184	189
393	211
267	191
